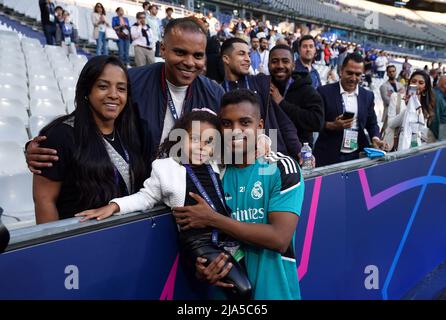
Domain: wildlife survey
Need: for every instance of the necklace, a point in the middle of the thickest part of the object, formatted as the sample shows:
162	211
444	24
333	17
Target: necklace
112	139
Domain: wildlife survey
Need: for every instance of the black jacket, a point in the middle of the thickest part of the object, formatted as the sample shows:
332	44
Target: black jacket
304	106
45	10
275	118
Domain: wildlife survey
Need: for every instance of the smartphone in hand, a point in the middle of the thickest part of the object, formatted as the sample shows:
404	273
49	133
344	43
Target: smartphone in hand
347	115
412	90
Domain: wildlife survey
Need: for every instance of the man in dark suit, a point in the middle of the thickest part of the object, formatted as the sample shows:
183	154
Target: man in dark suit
349	109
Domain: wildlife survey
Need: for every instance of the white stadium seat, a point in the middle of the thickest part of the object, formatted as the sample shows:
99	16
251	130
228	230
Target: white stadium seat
36	123
70	105
52	107
16	199
43	92
13	129
12	159
17	98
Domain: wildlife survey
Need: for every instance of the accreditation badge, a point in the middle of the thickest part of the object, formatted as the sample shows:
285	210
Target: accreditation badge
350	140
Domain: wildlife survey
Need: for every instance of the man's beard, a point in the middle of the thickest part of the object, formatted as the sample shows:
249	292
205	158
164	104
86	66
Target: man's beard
280	84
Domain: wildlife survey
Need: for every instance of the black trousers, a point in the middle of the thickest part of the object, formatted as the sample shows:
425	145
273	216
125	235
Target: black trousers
203	247
49	31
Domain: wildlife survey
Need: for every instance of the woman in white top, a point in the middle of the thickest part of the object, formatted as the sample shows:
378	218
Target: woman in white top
100	24
410	116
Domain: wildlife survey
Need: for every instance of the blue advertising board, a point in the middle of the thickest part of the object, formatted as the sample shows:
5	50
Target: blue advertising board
368	233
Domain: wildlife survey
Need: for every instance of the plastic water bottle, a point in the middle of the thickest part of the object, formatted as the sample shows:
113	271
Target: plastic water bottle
414	140
307	157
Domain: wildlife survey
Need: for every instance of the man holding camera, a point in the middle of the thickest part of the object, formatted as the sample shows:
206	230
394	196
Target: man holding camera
349	109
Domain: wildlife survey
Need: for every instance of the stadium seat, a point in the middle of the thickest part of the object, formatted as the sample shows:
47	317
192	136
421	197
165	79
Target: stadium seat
13	107
13	129
43	92
42	80
49	107
68	93
16	199
12	159
67	82
70	105
36	123
13	80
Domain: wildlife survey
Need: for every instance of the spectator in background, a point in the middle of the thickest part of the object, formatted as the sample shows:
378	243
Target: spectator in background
254	30
264	56
368	65
342	55
388	88
422	125
407	68
166	20
440	94
214	24
342	138
307	53
240	26
255	55
122	27
155	26
214	65
100	24
143	41
98	146
145	7
59	20
294	94
433	73
334	54
381	64
327	54
332	76
67	34
48	20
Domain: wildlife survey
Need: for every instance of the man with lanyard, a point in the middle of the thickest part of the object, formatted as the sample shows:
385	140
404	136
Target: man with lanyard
389	87
349	109
307	52
48	18
294	94
236	62
265	196
161	92
264	56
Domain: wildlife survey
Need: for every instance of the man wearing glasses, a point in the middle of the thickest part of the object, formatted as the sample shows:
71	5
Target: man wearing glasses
349	109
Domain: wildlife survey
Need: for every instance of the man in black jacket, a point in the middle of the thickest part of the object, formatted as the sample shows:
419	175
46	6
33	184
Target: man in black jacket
236	62
49	19
294	94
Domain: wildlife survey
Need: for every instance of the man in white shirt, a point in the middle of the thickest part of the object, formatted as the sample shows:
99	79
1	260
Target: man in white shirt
264	56
381	64
214	24
155	25
142	41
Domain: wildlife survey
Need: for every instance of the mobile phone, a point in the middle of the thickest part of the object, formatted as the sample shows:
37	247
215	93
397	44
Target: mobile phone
412	90
347	115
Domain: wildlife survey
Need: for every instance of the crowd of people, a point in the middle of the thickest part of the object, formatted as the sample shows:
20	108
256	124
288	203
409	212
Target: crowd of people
256	96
